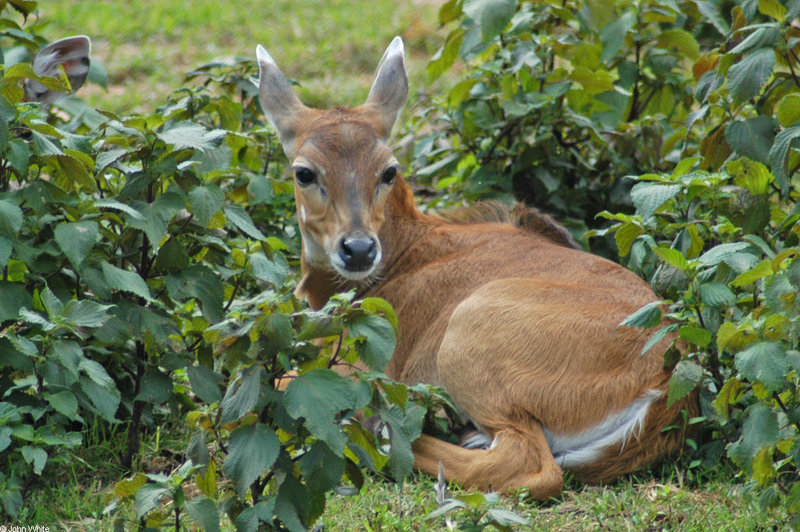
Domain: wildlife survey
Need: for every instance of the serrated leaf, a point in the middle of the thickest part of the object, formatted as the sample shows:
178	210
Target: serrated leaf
319	396
728	394
491	15
746	77
685	378
752	137
379	305
252	449
205	383
125	281
696	335
763	37
202	283
625	236
779	152
659	335
205	201
716	295
191	135
752	175
773	9
63	402
645	318
406	427
273	271
379	340
763	269
36	456
679	40
764	362
10	218
506	517
125	489
15	297
203	511
236	215
446	56
156	387
241	396
649	197
673	257
118	206
322	469
85	313
148	497
76	240
788	109
722	252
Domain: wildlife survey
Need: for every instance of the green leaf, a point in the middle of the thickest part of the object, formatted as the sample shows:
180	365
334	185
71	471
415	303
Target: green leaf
405	428
125	281
763	269
649	197
506	518
722	253
685	378
645	318
752	175
241	220
746	78
64	402
203	511
626	235
447	55
273	271
202	283
445	507
36	456
788	110
15	297
148	497
76	240
728	395
190	135
319	396
241	396
752	137
491	15
252	449
695	335
205	383
85	313
205	201
379	305
778	155
156	387
673	257
612	36
764	362
5	251
680	41
773	9
96	372
716	295
379	340
763	37
658	336
322	469
759	431
10	218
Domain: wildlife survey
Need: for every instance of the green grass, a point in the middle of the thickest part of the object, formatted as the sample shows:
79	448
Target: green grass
331	48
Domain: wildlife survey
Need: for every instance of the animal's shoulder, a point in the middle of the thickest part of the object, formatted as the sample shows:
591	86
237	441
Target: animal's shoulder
522	216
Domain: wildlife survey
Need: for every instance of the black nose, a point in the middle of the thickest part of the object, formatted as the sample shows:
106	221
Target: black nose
358	253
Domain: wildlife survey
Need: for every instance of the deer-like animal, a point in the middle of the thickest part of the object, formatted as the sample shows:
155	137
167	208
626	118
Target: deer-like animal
521	329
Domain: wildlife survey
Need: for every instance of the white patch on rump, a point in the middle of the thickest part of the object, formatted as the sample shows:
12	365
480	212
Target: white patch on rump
586	447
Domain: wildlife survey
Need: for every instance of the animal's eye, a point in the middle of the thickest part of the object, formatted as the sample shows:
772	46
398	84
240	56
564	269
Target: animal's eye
388	175
304	176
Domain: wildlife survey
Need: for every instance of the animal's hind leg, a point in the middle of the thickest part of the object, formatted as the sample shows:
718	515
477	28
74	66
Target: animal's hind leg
518	458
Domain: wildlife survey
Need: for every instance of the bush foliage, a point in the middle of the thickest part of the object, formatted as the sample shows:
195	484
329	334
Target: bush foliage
147	261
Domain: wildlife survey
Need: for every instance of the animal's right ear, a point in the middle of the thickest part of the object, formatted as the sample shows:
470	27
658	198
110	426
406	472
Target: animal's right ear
72	53
279	102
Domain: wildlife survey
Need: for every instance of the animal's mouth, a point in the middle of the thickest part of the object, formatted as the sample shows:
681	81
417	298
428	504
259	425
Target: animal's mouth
355	271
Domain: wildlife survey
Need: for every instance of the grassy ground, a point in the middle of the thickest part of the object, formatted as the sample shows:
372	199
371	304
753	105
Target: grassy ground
332	47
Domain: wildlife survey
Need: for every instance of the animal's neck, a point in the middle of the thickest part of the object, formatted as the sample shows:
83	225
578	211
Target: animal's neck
403	226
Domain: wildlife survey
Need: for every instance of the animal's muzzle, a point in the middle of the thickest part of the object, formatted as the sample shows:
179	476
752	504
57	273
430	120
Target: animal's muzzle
358	252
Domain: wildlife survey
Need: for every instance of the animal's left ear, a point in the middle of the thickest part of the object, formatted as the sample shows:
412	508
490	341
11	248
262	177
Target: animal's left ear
390	88
72	53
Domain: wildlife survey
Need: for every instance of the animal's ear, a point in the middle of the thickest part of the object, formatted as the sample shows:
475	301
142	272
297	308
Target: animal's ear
279	102
72	53
390	88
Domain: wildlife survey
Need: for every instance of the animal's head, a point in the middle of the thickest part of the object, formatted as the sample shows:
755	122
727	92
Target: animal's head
71	53
343	166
